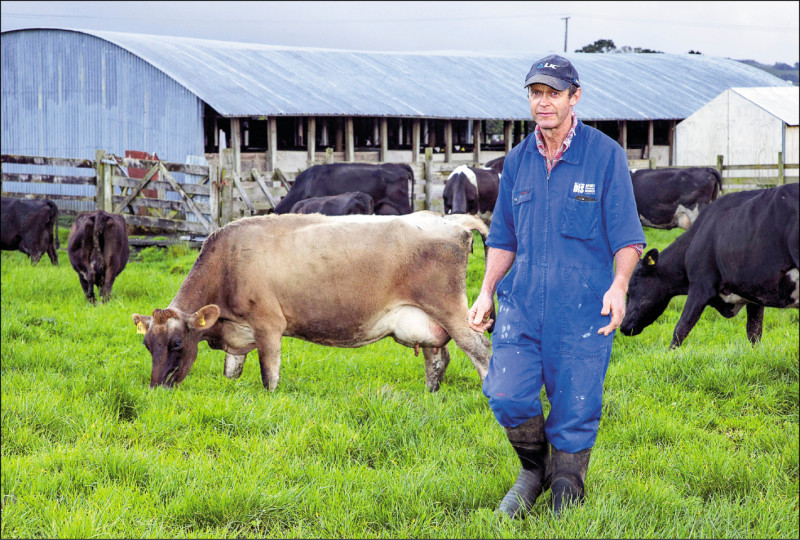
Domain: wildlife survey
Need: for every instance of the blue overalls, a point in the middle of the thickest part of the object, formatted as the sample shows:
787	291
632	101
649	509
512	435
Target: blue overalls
565	231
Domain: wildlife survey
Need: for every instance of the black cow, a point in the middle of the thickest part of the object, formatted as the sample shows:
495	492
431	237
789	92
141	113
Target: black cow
471	190
98	251
352	202
669	198
30	226
386	183
496	164
742	250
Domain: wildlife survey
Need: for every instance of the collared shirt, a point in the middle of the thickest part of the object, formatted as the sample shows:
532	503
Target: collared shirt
564	147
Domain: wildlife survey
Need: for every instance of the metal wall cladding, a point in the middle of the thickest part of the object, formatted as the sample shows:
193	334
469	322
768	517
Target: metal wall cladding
68	94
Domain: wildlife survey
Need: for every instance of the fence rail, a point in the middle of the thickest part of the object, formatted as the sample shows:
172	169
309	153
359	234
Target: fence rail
222	193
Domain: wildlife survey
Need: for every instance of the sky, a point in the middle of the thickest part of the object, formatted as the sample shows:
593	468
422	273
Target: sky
767	32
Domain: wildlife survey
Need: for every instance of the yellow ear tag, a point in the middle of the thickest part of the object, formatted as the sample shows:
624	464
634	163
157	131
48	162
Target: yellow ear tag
202	321
650	261
140	329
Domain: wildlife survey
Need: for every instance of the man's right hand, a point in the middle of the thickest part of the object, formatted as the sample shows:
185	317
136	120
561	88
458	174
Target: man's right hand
478	315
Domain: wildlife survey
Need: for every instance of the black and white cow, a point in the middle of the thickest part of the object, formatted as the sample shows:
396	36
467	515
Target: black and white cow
496	164
346	204
386	183
669	198
742	250
471	190
30	226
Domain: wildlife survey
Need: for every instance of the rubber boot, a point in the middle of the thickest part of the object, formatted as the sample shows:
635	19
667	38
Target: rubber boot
566	474
528	440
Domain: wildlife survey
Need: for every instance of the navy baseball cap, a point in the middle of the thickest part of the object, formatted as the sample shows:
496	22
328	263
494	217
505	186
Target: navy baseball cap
554	71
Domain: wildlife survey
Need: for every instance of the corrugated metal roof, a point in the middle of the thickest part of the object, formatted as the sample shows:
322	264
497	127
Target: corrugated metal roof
783	103
250	79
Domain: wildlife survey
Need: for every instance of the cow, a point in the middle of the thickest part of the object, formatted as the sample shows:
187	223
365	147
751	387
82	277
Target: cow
30	226
345	204
341	281
669	198
471	190
496	164
98	251
742	250
386	183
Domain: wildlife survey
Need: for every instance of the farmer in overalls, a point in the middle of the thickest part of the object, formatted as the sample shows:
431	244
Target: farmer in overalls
565	217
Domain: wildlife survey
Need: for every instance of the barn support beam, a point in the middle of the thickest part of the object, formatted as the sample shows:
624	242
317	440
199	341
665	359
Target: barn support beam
623	135
272	142
339	144
415	130
236	144
508	135
384	137
311	139
349	140
476	142
650	139
448	140
672	124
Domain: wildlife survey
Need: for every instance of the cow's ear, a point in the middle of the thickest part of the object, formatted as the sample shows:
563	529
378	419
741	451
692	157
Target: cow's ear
204	318
651	257
142	323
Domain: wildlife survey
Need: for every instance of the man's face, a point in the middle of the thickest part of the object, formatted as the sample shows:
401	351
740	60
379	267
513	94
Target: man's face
550	108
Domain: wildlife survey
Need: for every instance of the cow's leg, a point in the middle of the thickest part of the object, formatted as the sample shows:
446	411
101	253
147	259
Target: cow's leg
755	321
474	344
269	357
436	362
51	251
234	364
87	286
696	301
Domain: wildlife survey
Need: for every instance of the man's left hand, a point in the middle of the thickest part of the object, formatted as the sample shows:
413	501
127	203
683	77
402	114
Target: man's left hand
614	303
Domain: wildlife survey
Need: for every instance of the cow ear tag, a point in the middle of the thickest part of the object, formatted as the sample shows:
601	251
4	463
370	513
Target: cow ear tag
650	261
201	321
140	329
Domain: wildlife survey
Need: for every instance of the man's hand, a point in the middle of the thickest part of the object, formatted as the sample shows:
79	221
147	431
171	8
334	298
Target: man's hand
478	315
614	303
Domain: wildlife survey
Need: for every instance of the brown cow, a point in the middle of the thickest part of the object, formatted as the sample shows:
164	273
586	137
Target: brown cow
98	251
30	226
343	281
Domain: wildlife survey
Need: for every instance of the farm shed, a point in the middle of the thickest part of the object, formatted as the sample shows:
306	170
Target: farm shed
67	93
745	125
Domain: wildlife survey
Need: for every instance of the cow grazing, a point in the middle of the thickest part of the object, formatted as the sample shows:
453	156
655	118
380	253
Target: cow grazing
346	204
386	183
343	281
471	190
742	250
98	251
30	226
669	198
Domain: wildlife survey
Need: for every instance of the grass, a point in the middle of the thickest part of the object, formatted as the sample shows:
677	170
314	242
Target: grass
700	442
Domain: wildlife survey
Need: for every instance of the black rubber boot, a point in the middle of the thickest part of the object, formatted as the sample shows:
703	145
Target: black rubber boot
566	474
528	440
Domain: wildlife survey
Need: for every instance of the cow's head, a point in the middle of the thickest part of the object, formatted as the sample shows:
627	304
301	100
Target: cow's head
172	336
648	295
460	195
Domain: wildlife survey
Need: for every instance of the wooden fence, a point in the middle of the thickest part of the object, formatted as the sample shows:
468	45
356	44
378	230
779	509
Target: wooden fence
221	194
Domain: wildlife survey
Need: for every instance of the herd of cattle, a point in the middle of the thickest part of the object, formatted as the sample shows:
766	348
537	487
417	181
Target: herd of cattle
243	292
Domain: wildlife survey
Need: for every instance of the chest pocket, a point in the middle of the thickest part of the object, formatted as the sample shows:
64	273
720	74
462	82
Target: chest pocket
580	219
522	208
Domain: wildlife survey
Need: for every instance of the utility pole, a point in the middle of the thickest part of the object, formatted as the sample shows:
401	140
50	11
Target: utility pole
566	26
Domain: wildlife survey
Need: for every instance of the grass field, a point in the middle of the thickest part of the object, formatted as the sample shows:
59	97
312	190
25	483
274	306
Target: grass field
700	442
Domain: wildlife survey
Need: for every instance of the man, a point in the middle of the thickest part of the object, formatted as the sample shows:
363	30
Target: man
565	215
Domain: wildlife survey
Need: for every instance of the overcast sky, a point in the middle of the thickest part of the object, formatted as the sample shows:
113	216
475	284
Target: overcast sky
763	31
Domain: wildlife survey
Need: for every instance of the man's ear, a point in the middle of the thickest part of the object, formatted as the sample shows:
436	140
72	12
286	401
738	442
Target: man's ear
142	323
204	318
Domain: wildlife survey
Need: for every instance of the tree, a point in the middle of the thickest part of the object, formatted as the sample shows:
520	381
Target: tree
599	46
695	52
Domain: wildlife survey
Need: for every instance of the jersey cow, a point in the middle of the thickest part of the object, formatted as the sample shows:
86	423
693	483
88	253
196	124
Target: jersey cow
669	198
98	251
742	250
471	190
346	204
31	227
386	183
343	281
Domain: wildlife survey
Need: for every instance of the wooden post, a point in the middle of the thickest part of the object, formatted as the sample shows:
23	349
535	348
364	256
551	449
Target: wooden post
226	190
428	178
349	144
720	168
671	142
213	195
781	177
448	140
415	129
99	185
384	136
108	188
338	144
236	144
272	143
311	139
650	139
476	143
508	135
623	136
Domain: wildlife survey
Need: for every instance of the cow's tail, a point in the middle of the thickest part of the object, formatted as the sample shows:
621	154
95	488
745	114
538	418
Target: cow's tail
718	185
97	241
54	214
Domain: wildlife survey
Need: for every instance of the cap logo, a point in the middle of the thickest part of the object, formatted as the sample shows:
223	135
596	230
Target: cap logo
546	65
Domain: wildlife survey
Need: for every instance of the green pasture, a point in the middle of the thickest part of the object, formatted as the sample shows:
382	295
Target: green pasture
699	442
